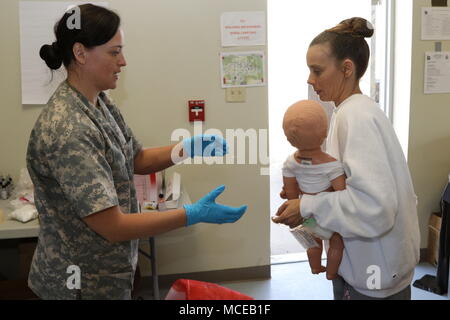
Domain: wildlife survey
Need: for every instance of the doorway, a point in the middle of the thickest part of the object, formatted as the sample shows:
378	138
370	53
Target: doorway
291	27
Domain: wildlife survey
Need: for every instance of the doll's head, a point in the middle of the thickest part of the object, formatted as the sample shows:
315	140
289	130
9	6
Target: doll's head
305	125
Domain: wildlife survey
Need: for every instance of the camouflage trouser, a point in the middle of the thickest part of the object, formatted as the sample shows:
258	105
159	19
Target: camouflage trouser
343	291
126	295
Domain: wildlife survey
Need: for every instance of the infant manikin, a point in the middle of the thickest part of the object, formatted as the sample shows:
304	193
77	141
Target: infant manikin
310	171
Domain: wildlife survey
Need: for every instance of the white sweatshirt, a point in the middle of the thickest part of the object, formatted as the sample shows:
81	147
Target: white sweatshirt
376	214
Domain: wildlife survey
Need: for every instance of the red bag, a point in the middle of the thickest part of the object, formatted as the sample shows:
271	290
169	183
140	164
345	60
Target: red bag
184	289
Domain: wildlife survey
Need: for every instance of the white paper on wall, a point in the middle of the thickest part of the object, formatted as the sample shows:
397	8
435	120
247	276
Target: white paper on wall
436	23
437	72
37	21
243	28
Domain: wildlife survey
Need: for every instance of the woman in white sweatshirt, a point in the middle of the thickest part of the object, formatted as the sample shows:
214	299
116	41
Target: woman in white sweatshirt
376	215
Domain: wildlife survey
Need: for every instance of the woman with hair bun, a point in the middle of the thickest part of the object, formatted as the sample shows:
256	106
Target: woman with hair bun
376	214
82	157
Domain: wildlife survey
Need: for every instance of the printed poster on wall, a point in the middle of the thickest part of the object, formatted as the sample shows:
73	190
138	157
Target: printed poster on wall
242	69
243	28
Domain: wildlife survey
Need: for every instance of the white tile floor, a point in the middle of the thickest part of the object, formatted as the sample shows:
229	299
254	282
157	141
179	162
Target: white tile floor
294	281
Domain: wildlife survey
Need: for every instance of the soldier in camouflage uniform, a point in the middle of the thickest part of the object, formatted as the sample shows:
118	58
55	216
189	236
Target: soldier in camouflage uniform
82	157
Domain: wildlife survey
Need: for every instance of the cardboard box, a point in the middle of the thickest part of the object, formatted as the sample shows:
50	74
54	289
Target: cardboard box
434	229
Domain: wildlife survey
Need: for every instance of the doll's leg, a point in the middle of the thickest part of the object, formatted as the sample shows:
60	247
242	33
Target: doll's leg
334	255
315	258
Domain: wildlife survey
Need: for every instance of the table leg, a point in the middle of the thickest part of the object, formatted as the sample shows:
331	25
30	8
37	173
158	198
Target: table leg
154	269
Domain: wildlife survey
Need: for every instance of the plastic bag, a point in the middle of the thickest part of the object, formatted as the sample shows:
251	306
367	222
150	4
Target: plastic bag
24	214
24	190
22	201
185	289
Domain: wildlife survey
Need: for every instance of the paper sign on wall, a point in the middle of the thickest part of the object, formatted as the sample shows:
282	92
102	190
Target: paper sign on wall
436	23
437	72
243	28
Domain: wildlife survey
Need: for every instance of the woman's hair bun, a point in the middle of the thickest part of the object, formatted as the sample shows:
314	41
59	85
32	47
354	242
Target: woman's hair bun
356	27
51	55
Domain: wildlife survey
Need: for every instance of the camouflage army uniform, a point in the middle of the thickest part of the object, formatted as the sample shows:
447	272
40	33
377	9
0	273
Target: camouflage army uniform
80	159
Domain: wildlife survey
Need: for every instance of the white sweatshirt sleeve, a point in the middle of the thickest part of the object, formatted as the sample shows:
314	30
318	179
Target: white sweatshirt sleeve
368	206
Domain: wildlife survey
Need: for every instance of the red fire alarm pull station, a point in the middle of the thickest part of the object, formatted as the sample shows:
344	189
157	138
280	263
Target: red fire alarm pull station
196	110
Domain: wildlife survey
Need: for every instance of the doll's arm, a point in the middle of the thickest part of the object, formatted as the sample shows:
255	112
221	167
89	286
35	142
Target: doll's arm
291	187
339	183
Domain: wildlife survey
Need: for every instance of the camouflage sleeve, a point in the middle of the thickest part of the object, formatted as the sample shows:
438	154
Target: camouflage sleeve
83	173
137	146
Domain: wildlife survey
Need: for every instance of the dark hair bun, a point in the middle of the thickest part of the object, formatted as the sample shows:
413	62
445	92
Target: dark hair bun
356	27
51	55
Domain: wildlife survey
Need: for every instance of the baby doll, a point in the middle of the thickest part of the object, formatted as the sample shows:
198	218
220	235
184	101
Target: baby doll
310	171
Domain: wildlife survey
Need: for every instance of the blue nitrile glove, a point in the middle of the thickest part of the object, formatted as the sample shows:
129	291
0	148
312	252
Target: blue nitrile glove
207	210
205	146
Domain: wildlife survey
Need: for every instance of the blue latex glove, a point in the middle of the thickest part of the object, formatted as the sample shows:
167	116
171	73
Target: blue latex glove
205	146
206	210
